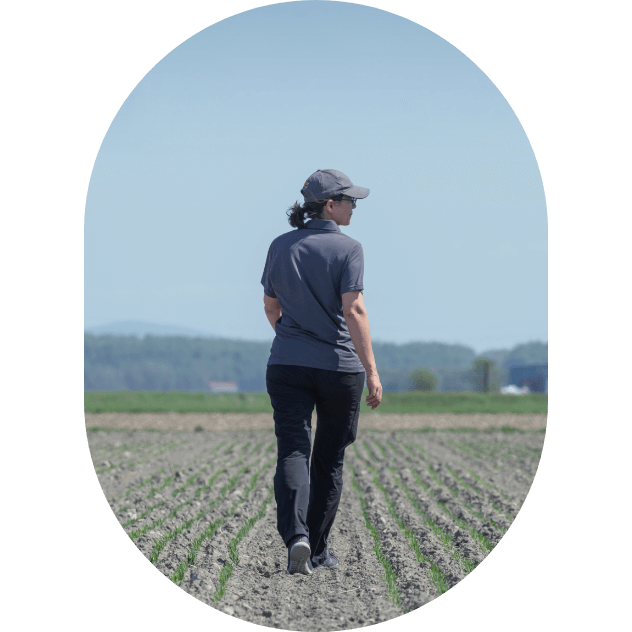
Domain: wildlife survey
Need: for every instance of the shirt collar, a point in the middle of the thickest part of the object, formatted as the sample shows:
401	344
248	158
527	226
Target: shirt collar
322	224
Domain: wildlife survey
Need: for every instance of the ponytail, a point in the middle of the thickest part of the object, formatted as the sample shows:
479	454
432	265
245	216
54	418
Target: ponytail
297	213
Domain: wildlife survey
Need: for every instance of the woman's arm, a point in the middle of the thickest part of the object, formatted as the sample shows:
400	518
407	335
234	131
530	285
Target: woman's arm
272	309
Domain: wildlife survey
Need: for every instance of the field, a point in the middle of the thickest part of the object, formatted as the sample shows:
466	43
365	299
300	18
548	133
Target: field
419	511
410	402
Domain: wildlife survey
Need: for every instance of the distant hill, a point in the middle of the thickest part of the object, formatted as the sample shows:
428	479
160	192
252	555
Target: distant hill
140	329
141	359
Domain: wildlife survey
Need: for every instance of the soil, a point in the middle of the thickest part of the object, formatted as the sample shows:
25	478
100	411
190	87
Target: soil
263	421
438	502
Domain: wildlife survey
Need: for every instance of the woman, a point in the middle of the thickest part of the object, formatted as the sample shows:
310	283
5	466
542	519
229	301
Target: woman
312	285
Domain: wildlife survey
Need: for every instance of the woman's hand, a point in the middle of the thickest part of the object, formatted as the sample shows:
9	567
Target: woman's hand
374	397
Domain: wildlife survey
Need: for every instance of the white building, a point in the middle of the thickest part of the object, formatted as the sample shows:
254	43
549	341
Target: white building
223	387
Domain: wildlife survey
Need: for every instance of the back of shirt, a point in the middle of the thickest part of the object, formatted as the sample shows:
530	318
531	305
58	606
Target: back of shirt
308	270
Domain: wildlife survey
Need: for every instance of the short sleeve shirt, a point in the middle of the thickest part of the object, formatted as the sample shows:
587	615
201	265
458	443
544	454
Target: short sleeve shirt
308	270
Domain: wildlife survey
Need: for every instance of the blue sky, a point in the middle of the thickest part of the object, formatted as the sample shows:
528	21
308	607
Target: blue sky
201	162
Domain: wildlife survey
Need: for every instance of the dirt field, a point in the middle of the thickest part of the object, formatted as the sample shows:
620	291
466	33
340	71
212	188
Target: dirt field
419	511
264	421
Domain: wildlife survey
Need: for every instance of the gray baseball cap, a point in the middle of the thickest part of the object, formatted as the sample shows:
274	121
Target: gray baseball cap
327	183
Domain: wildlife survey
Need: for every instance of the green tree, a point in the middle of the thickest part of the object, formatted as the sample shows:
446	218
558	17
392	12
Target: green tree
481	373
528	353
423	380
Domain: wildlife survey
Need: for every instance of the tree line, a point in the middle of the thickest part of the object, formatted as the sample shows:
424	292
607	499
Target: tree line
165	363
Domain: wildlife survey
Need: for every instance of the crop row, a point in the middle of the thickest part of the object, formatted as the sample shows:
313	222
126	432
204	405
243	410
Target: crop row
432	507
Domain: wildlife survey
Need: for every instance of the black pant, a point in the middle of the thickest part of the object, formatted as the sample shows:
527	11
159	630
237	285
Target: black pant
307	502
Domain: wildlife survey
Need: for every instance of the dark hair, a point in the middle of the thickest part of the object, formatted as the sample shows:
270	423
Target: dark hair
297	213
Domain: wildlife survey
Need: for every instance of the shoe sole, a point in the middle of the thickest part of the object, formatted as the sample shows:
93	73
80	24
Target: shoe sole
299	556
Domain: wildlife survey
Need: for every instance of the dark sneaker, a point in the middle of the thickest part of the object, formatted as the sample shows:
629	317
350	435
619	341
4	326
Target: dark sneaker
330	561
298	556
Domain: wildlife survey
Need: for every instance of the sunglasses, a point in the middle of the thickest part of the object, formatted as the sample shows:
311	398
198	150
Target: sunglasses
342	198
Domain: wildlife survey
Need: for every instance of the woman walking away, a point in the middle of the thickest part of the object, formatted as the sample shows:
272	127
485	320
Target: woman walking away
312	283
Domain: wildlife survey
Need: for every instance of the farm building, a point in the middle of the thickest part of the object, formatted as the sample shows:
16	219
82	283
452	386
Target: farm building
535	376
223	387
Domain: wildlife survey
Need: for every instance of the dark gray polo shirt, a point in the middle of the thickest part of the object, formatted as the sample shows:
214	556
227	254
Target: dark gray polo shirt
307	271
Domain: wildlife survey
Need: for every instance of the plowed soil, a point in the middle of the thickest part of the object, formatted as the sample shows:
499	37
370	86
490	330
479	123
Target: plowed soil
263	421
419	511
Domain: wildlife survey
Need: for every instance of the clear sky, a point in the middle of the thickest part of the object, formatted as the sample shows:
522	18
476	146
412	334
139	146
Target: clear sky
199	166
